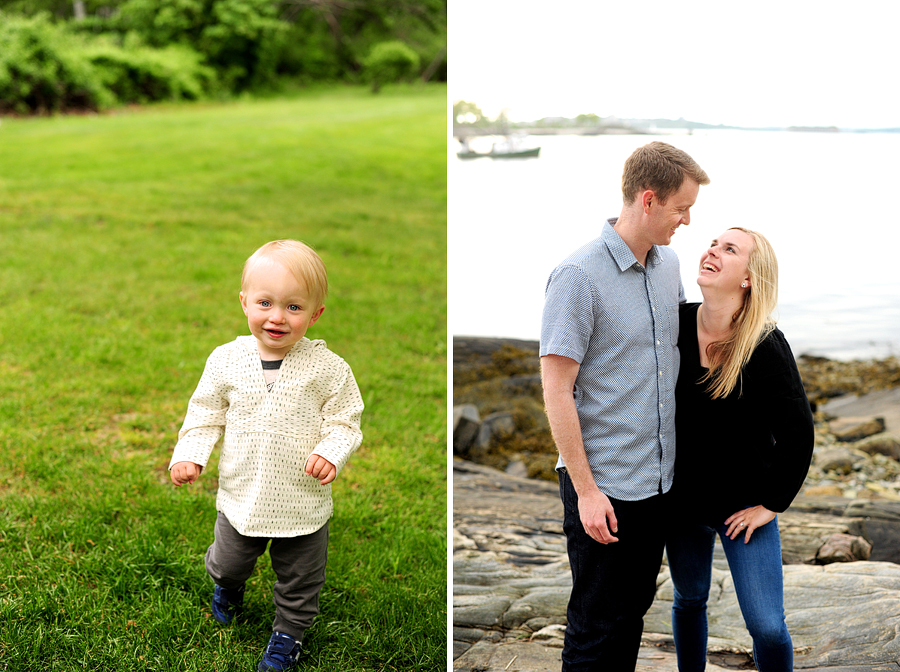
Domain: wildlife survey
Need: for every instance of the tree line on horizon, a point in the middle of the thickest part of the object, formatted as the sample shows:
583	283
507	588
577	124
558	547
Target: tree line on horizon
75	55
468	113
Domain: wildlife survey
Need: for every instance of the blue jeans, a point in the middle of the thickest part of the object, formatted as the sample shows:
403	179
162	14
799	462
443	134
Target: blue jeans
613	585
758	582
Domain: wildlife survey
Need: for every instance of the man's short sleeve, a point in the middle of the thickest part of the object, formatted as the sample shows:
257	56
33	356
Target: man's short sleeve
568	319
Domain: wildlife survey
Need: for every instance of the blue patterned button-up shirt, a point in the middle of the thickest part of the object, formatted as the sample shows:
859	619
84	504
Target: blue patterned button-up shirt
619	320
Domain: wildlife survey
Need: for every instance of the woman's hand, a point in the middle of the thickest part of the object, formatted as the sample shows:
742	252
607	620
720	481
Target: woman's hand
747	520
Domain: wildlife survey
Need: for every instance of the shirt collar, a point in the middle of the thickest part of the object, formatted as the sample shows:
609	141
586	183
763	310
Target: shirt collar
249	343
620	251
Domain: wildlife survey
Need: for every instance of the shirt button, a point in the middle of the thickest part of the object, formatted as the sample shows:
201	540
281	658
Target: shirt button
660	373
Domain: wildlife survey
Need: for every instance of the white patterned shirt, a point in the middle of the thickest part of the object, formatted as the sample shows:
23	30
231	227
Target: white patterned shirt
619	320
314	406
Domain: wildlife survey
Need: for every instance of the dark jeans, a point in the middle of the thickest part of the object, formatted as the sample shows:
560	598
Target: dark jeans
613	585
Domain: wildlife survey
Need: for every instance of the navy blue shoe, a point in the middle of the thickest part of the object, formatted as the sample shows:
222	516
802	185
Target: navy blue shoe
281	653
227	604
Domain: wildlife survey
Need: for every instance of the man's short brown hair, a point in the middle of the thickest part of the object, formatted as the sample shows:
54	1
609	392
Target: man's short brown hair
660	167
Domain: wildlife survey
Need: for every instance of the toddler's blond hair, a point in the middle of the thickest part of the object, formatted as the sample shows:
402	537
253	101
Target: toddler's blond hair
300	259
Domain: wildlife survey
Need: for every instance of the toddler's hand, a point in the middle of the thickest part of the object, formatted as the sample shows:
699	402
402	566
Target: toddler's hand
184	473
320	468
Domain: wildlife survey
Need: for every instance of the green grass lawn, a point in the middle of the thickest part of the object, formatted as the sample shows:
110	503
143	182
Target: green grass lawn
122	239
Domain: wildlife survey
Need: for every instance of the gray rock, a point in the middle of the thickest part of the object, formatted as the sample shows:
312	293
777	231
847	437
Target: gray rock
477	350
838	459
548	603
829	506
803	534
496	426
880	444
882	526
473	611
805	529
881	403
845	613
516	656
838	615
466	423
843	548
855	428
552	634
467	634
876	521
517	468
511	580
522	386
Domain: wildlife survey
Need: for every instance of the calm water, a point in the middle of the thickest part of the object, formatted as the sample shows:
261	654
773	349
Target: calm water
827	202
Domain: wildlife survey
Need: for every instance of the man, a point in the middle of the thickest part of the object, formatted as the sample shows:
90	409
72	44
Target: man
609	364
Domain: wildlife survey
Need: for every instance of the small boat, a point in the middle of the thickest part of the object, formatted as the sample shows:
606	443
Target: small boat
509	148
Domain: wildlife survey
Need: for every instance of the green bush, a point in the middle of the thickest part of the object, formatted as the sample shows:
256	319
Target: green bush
43	69
390	62
47	68
263	46
240	39
141	74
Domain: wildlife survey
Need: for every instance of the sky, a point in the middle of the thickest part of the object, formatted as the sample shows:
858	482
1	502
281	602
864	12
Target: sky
761	64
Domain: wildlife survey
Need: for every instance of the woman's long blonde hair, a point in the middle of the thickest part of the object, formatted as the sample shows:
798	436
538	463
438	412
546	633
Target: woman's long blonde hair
752	322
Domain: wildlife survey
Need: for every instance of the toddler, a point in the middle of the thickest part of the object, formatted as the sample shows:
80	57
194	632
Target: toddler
290	412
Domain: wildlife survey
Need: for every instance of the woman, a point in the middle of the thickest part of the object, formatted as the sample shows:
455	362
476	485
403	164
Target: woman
744	442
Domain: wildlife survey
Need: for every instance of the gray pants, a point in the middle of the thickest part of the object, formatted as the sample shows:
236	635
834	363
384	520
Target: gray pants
299	564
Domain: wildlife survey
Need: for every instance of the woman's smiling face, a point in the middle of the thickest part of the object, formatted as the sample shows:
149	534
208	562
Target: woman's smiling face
724	264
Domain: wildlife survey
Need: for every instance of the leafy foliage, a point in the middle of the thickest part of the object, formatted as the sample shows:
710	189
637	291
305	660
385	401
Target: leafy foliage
236	37
465	112
45	67
251	45
141	75
42	68
390	62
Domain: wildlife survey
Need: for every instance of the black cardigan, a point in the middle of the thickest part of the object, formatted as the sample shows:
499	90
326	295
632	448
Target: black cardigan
753	446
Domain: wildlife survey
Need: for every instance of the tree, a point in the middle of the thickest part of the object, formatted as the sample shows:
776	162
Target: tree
465	112
254	44
236	37
356	26
390	62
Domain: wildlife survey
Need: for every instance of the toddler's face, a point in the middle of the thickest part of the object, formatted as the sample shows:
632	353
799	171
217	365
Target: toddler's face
278	308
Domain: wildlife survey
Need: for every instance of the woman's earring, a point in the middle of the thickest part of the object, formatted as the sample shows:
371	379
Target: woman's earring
743	284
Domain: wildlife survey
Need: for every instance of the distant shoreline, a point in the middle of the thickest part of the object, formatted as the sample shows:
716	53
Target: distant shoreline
824	377
809	353
562	126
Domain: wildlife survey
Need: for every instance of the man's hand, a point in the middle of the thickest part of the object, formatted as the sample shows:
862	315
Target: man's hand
598	517
184	473
320	468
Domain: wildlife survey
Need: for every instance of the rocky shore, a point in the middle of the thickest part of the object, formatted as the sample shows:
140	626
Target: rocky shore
499	418
841	537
